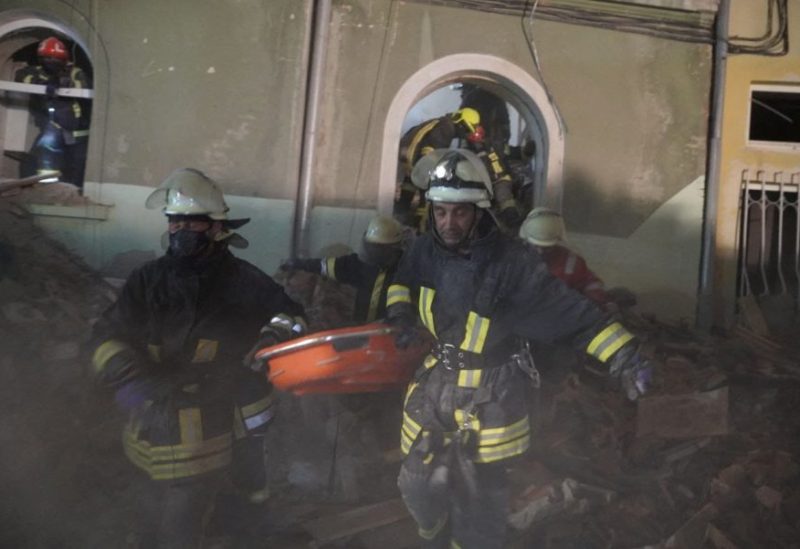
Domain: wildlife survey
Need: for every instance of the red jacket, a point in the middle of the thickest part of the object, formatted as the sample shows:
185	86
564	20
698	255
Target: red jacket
571	268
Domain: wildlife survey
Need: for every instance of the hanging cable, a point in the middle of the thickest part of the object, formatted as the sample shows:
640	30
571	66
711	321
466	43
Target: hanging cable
526	28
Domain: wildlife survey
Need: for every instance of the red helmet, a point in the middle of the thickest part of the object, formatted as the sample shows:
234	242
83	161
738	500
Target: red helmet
53	48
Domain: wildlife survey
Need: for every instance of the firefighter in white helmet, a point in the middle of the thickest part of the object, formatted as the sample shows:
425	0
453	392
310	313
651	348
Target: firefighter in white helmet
482	295
544	229
172	348
370	271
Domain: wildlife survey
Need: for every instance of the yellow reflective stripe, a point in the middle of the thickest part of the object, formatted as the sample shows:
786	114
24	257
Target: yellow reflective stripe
470	378
426	296
137	452
411	387
408	433
433	531
466	421
154	352
503	451
330	267
454	544
191	425
73	75
257	407
429	362
398	294
475	333
106	352
206	350
412	146
499	435
609	341
177	451
375	300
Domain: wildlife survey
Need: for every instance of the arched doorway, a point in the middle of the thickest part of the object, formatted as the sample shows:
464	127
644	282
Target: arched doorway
23	113
507	81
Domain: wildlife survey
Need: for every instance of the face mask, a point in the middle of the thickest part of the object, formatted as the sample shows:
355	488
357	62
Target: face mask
186	243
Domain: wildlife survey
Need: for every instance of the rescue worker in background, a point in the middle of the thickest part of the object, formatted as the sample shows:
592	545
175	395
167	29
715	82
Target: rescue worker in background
172	348
369	272
508	188
481	294
421	140
63	122
544	229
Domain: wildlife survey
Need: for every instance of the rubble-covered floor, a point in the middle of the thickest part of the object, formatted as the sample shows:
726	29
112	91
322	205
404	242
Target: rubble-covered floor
709	459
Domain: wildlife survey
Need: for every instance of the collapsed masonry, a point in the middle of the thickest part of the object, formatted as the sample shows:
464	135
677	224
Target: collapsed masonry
709	460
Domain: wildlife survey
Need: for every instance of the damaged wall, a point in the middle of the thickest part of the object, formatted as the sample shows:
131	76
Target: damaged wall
220	86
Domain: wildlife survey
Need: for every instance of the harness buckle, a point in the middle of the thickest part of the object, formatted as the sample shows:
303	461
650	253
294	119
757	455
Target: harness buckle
524	360
452	357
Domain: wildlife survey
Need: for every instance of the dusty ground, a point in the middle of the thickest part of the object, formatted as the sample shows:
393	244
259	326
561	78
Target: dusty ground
719	476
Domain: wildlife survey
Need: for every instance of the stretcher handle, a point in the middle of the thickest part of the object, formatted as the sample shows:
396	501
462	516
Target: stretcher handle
311	341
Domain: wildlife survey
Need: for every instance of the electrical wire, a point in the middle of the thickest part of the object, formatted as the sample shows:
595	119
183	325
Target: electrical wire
562	127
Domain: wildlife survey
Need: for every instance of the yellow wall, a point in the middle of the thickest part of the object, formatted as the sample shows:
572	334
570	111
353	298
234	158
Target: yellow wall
747	19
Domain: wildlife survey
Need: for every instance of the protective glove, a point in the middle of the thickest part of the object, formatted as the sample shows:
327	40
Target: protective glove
268	339
298	264
133	394
50	89
510	216
634	372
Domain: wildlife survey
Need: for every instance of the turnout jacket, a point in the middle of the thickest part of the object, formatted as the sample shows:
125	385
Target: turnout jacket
371	283
481	307
70	115
189	329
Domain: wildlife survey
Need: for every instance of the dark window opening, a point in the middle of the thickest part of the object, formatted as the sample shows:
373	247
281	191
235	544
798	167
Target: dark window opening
775	116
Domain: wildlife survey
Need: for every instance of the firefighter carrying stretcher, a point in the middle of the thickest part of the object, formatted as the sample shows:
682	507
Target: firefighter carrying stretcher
482	295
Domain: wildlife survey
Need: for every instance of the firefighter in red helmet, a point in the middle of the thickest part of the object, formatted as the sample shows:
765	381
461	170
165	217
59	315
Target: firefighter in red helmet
63	122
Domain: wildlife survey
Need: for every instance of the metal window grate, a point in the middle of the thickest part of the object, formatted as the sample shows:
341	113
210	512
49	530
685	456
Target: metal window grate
769	253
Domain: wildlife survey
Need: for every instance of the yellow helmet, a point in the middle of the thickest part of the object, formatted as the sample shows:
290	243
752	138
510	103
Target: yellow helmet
543	227
189	192
384	230
469	117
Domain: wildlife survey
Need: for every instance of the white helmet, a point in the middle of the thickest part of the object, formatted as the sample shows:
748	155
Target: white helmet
454	175
543	227
384	230
189	192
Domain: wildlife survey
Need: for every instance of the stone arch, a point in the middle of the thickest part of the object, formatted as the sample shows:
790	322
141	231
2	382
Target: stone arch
505	79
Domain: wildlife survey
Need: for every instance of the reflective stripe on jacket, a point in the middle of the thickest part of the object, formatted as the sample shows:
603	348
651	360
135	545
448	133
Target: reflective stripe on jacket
197	327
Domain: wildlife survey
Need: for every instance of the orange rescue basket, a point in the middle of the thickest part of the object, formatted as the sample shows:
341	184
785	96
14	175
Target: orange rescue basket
360	359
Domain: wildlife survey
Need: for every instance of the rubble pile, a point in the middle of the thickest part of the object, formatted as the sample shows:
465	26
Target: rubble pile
708	459
60	461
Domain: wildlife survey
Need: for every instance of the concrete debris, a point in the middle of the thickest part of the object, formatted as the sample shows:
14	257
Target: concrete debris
708	459
684	416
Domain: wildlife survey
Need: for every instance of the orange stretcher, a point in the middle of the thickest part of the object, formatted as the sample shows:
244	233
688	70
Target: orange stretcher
360	359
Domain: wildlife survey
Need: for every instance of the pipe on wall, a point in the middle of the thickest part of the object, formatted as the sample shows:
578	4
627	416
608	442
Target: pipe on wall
708	249
320	18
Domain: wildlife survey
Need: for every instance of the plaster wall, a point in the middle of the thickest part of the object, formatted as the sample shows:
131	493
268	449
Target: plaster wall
748	19
220	86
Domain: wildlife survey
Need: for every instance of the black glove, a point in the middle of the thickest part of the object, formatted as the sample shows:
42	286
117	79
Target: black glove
634	372
298	264
511	217
268	339
406	336
50	89
134	393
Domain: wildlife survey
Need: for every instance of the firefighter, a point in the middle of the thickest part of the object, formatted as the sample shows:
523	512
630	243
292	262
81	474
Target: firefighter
464	125
544	229
172	348
482	295
369	272
63	122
